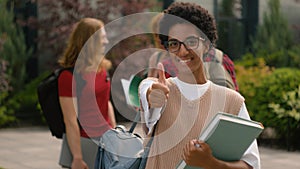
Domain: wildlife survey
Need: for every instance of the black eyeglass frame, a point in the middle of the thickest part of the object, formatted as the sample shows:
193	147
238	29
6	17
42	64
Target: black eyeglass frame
166	43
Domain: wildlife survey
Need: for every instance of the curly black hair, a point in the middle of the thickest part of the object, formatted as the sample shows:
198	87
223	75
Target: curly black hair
188	12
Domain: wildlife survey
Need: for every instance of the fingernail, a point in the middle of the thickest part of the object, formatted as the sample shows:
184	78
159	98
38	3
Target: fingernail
197	145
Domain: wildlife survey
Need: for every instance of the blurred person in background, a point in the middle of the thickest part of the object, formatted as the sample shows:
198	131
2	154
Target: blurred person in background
90	102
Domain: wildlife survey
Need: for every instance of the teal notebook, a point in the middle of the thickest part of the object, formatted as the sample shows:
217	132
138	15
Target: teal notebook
133	91
228	136
130	88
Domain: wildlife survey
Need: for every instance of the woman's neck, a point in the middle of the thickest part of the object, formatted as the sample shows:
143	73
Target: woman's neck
197	77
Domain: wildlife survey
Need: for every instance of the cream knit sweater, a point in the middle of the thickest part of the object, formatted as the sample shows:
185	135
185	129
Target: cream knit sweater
183	120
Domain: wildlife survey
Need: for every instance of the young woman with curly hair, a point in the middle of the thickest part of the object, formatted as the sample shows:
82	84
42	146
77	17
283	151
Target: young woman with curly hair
178	108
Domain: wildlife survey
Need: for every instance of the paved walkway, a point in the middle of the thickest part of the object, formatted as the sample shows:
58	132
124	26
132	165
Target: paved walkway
35	148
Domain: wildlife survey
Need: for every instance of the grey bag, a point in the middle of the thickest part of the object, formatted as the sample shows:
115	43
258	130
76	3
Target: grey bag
89	152
119	149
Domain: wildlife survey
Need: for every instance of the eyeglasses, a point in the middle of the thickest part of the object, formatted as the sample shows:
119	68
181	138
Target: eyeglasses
173	45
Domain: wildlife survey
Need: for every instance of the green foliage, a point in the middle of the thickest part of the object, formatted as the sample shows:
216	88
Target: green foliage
227	7
271	90
4	88
24	104
5	85
280	58
5	117
273	36
294	55
272	96
289	113
273	87
13	48
250	72
230	30
4	82
290	107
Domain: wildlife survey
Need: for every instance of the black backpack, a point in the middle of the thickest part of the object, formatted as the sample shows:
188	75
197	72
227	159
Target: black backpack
49	100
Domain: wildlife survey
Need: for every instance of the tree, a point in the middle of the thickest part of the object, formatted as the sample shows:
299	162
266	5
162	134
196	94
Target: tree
273	36
4	82
60	17
13	48
230	28
4	89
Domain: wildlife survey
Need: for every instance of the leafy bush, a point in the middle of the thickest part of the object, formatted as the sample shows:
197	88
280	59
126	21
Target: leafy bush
272	90
5	117
291	106
23	105
4	78
294	56
250	71
282	58
272	97
289	113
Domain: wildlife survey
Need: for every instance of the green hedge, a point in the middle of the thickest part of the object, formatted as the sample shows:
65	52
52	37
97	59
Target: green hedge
268	95
22	107
272	89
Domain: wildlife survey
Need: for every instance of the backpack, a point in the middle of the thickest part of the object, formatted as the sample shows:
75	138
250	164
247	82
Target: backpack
49	100
119	149
216	72
122	149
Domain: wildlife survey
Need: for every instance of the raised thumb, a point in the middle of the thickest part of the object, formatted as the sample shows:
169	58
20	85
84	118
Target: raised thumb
161	73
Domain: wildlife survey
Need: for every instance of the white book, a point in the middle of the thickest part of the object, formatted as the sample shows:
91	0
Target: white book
125	84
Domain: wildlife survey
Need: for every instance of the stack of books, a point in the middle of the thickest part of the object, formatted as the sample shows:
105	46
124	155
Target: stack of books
228	136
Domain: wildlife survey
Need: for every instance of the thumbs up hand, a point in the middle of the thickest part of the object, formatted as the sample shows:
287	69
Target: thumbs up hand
158	93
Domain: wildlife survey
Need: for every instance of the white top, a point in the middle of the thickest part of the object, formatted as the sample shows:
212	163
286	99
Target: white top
251	156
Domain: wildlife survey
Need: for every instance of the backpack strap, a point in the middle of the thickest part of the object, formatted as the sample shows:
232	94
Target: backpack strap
219	55
80	83
229	80
216	72
158	57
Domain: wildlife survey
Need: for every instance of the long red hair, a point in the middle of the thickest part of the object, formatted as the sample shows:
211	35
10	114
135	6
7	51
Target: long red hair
85	41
